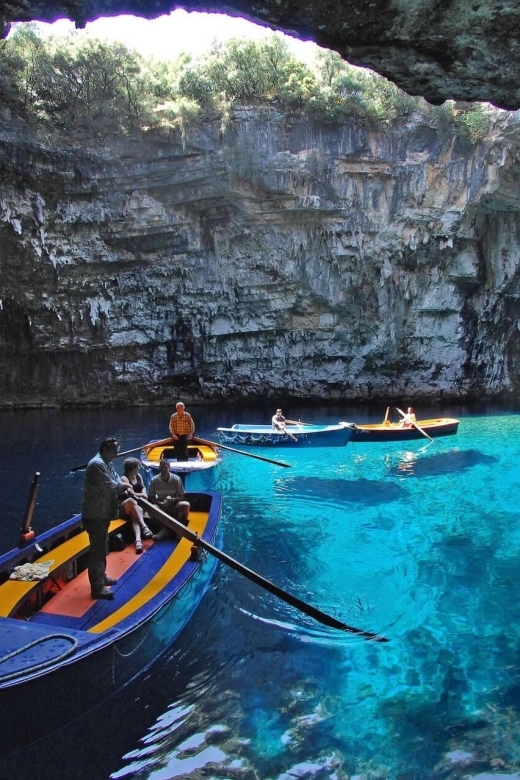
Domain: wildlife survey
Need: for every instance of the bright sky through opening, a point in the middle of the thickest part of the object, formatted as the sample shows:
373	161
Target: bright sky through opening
167	36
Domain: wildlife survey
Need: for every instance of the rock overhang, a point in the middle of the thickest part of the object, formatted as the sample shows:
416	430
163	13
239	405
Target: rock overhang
451	50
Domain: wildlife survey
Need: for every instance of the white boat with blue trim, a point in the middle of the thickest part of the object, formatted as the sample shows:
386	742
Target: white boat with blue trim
293	435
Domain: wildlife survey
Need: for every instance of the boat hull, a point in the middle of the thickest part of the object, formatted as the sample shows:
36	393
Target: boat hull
391	432
199	473
296	435
36	684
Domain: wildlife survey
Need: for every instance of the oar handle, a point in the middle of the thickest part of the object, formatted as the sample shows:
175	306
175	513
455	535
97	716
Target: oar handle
158	443
308	609
26	532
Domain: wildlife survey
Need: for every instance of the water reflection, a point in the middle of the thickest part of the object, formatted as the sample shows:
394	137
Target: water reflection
417	464
370	492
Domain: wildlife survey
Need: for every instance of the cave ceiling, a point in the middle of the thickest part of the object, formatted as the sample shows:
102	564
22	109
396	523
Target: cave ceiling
465	50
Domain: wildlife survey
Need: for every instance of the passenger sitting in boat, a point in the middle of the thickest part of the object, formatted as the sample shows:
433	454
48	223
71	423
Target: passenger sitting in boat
129	509
278	421
408	419
167	491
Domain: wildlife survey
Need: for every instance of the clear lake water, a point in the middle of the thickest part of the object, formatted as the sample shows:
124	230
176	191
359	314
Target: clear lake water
418	541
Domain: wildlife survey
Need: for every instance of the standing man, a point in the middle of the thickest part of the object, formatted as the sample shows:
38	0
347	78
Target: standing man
181	426
103	490
167	491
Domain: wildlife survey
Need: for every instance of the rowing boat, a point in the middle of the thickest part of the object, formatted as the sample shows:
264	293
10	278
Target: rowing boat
61	652
201	467
300	435
392	431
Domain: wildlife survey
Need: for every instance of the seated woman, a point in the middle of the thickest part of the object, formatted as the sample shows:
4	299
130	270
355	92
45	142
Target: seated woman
129	509
408	419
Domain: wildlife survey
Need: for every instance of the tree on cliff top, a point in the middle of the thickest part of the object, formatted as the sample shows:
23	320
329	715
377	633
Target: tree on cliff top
87	85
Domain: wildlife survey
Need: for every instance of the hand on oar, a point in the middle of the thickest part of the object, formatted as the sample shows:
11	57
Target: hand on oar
414	424
159	443
302	606
240	452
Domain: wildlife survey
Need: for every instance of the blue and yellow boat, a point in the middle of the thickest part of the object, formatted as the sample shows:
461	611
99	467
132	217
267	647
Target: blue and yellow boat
61	652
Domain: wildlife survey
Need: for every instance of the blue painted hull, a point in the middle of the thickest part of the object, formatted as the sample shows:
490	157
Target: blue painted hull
36	684
296	435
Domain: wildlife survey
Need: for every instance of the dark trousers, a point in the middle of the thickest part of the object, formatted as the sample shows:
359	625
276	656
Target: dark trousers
97	530
181	447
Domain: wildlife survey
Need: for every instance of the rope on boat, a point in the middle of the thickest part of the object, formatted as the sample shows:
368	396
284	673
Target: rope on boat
44	664
127	655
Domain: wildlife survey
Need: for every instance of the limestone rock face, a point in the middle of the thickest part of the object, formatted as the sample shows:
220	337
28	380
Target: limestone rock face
451	49
276	259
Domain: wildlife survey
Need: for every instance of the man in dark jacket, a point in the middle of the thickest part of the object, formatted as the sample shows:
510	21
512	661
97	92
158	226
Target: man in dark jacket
103	491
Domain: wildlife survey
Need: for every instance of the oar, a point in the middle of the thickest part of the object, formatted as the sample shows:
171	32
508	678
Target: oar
386	415
240	452
284	429
293	422
414	425
128	452
317	614
26	533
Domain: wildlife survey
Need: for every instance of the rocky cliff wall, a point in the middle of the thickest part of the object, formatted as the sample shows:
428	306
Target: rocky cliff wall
272	259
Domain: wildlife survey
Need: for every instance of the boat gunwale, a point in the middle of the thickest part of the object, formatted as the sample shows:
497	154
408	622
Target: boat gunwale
97	642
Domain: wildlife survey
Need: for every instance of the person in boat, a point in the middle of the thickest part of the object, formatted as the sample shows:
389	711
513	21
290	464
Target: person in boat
278	421
104	488
181	427
129	509
167	491
408	419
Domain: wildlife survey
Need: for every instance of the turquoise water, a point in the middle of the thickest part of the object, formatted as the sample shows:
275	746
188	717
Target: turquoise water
418	542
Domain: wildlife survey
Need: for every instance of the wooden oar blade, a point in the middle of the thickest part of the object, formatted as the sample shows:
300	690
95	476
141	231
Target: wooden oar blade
308	609
241	452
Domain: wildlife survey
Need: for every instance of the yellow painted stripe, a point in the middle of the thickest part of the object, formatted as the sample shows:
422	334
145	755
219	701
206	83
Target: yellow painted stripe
13	592
208	454
167	572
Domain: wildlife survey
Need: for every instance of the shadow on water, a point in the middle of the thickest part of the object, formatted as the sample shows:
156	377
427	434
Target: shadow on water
370	492
442	463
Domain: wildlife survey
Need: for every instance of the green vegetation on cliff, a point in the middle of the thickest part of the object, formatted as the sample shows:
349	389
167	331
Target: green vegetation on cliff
93	86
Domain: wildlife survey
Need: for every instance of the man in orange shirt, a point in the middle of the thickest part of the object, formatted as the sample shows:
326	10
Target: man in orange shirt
181	427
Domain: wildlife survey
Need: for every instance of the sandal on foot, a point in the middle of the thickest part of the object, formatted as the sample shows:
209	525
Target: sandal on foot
147	534
138	548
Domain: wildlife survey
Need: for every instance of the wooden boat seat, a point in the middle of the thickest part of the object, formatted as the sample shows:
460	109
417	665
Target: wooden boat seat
13	592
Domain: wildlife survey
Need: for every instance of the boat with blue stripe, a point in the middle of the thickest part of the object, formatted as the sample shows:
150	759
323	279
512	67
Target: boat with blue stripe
293	435
55	640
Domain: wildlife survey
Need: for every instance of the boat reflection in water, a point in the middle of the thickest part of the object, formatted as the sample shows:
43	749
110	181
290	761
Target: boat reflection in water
419	464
